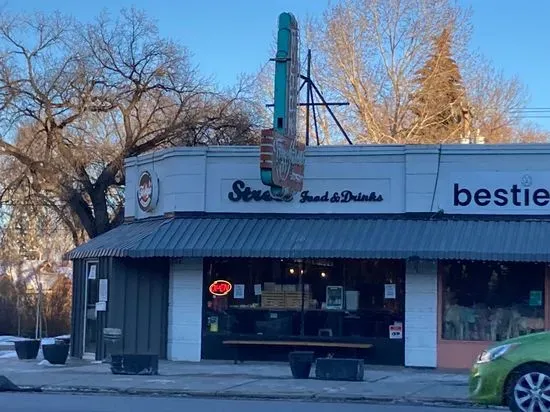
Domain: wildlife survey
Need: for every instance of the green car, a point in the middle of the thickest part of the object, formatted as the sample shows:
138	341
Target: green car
514	373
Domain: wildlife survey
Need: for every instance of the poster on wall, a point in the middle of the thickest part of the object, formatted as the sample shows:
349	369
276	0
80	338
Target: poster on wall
335	297
103	290
389	291
396	331
213	324
257	289
238	291
535	298
92	273
352	300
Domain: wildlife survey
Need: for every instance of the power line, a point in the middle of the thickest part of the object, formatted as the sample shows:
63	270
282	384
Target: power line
531	113
531	108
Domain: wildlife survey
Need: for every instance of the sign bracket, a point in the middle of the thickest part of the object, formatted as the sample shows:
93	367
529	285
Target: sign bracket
311	92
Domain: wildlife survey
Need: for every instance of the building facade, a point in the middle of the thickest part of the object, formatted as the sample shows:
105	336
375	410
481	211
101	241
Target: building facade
429	253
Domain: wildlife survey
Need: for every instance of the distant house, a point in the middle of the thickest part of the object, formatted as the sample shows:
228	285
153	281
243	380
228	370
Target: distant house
33	272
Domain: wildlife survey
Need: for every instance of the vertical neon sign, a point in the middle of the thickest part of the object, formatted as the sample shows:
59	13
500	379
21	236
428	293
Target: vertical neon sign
281	154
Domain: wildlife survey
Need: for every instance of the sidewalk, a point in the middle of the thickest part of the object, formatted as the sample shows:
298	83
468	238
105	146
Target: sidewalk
249	380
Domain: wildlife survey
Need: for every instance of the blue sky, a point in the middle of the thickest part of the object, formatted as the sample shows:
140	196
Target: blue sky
228	37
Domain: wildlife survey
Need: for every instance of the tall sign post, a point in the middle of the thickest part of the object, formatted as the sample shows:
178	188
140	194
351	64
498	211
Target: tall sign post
282	156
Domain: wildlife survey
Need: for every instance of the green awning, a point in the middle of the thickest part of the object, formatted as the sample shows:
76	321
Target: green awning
366	237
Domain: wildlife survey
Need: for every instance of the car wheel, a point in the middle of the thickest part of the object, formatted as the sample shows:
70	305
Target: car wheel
529	389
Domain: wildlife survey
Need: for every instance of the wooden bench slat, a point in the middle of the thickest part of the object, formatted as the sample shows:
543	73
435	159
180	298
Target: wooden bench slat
299	343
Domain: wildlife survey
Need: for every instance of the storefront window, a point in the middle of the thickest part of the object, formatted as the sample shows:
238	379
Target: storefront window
274	297
492	301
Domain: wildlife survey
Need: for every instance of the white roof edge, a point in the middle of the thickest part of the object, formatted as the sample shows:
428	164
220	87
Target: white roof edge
350	150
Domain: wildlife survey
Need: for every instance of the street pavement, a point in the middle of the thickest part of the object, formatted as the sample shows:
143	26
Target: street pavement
23	402
251	380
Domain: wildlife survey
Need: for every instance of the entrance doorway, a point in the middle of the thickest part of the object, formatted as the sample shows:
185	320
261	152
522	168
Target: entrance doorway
90	314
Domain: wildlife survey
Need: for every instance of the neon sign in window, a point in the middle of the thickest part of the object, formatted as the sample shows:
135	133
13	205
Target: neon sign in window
220	287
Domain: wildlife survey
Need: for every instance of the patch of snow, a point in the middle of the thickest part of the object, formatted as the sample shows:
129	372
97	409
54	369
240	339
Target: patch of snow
164	381
8	354
8	340
48	341
46	363
63	337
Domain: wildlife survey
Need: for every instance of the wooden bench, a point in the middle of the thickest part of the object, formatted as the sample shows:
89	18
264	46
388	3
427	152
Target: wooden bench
294	344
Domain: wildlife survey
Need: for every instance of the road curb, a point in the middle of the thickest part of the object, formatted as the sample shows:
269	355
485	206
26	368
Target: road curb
251	396
6	385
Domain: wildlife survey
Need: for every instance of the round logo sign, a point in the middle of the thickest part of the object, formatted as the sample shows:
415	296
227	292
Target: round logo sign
220	287
147	191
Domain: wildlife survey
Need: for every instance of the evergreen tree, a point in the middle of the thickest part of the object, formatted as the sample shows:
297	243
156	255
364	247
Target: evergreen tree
439	107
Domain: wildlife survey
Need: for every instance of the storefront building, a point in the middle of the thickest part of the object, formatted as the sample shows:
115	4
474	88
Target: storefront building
429	253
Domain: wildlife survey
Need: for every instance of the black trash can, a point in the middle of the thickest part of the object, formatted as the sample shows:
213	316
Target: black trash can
113	342
300	363
27	349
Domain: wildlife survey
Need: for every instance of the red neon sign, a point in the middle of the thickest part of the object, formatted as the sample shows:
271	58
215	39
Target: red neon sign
220	287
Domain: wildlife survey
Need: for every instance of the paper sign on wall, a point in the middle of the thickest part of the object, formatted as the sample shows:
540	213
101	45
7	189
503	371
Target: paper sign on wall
92	272
101	306
335	297
238	291
396	331
213	323
352	300
389	291
103	290
258	289
535	298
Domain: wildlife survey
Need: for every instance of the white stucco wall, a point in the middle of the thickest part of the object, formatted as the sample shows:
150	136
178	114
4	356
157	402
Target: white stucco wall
185	310
181	173
409	178
421	314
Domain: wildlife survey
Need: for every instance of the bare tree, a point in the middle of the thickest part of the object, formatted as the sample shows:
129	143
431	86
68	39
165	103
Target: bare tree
494	99
77	99
33	240
369	52
57	307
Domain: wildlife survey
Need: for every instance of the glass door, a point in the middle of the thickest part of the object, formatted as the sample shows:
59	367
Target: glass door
90	317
